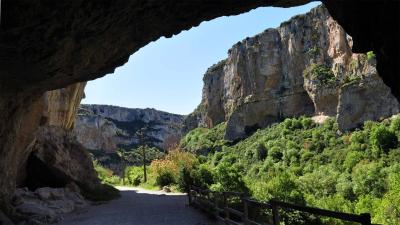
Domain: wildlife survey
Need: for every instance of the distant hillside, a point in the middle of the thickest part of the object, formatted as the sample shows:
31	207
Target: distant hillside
104	129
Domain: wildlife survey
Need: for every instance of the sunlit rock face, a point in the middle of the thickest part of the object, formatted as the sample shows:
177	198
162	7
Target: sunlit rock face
303	67
107	128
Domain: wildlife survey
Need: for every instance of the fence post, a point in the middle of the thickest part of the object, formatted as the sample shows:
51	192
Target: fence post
245	212
225	210
215	201
190	195
275	212
366	219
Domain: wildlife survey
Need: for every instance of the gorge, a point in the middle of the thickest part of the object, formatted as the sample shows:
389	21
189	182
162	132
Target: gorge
49	48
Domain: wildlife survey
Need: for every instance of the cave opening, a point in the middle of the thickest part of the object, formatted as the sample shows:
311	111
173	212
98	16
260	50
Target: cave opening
39	174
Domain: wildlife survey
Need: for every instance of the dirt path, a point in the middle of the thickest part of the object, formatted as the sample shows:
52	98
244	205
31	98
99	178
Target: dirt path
140	207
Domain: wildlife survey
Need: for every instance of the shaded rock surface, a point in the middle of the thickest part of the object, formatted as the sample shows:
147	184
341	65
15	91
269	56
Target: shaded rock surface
46	205
55	158
303	67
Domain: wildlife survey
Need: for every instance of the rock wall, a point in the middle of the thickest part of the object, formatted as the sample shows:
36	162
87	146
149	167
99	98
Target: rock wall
303	67
107	128
55	158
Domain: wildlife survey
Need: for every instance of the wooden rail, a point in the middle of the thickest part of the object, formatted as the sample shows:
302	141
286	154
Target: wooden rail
209	201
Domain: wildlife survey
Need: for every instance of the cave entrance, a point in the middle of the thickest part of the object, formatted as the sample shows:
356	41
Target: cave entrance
38	175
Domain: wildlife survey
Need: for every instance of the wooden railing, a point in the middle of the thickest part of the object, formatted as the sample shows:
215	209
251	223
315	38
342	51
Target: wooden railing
217	204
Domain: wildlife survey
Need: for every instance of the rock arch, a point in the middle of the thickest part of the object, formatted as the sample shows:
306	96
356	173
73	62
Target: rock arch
46	45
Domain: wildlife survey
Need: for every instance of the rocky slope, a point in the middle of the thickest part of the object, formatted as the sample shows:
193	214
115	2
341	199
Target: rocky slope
303	67
104	129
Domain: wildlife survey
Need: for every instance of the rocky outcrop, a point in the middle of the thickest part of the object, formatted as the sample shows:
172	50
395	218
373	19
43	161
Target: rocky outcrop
46	205
55	158
303	67
107	128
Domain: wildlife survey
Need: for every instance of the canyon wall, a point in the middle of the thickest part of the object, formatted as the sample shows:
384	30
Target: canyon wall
56	158
303	67
105	129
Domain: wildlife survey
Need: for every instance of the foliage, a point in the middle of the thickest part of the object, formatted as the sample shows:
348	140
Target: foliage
370	55
321	73
383	139
135	155
106	175
203	140
302	162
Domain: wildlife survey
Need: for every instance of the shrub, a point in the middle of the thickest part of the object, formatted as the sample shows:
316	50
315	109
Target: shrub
383	139
165	178
275	153
368	178
321	73
229	178
370	55
134	174
202	176
352	158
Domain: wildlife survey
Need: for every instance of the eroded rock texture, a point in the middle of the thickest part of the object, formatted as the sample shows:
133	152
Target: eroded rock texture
46	205
105	129
304	67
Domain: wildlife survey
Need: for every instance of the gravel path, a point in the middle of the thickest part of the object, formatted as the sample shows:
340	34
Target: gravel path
140	207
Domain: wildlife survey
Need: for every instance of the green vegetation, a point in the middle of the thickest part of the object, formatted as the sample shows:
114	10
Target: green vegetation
203	140
321	73
296	161
313	51
351	79
370	55
305	163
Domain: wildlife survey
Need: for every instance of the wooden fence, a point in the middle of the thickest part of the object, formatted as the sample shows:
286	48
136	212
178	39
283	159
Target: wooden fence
238	213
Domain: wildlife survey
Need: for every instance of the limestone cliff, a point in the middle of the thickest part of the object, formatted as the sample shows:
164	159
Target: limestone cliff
55	158
104	129
303	67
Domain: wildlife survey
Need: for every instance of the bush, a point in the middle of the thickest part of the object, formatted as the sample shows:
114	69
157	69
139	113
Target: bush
321	73
368	178
275	153
229	178
370	55
164	179
383	139
134	174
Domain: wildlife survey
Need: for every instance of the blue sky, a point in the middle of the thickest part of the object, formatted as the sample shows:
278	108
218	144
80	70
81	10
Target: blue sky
168	74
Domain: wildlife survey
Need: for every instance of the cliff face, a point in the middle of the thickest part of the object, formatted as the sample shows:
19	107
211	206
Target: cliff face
55	158
303	67
105	128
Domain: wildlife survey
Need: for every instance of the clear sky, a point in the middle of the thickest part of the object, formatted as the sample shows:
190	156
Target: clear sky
168	74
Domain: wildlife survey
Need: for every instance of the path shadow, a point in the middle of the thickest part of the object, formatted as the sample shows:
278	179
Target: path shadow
139	207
